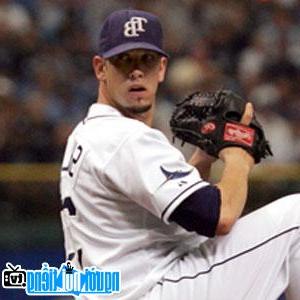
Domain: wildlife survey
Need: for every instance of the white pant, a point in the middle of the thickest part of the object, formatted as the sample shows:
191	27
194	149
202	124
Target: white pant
257	260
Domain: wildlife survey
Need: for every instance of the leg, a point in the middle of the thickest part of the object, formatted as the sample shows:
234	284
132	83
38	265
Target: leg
293	291
257	260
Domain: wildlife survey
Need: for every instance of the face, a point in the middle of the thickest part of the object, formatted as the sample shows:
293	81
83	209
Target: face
129	81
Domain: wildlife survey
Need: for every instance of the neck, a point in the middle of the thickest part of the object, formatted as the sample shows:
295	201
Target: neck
146	117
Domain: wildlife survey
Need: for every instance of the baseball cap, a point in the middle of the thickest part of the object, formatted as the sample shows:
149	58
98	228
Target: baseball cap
129	29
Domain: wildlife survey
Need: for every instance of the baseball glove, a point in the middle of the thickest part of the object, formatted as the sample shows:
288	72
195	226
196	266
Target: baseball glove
211	122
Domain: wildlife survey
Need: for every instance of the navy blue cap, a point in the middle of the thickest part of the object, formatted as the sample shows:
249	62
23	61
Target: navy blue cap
129	29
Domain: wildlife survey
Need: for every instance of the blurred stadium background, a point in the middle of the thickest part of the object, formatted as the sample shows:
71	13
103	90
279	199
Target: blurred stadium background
47	84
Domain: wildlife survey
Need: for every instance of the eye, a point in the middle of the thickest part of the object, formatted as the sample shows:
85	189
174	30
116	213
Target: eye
124	58
121	60
149	58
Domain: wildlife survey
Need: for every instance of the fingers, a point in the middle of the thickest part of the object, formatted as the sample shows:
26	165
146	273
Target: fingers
248	114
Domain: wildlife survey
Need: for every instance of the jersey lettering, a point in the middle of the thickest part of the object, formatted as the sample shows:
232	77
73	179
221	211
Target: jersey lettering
73	160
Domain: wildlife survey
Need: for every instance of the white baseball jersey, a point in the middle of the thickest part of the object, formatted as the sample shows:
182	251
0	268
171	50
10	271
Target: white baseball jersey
123	180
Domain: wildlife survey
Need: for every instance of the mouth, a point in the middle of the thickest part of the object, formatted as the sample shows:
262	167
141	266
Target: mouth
137	89
138	98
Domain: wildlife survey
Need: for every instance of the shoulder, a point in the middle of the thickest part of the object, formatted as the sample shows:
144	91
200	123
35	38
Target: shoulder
116	129
105	130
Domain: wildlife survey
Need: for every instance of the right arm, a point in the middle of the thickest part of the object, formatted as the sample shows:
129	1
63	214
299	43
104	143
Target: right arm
214	210
233	186
234	181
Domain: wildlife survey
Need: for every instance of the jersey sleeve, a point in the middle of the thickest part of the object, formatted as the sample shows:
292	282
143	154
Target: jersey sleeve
147	169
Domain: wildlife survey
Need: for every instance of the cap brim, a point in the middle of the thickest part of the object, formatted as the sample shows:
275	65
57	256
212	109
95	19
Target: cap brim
131	46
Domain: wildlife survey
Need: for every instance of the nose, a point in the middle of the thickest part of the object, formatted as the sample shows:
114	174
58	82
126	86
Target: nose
136	74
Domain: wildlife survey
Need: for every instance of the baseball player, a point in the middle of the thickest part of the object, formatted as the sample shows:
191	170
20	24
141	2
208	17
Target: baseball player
132	202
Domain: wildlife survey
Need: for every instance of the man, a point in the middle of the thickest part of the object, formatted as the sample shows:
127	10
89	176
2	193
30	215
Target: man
132	202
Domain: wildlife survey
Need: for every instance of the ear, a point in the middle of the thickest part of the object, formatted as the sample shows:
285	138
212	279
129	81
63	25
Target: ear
99	67
162	69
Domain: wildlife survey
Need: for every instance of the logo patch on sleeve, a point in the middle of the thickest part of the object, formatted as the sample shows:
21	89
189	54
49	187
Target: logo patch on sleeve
239	134
174	175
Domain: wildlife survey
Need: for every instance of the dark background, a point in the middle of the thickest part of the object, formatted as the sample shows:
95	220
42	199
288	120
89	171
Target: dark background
47	85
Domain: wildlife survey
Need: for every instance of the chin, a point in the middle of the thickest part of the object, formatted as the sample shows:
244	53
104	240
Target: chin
138	104
139	109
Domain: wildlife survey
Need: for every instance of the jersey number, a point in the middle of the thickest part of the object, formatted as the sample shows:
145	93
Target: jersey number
74	159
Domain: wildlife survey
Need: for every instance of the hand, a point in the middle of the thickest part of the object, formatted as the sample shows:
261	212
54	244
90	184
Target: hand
202	161
236	153
201	156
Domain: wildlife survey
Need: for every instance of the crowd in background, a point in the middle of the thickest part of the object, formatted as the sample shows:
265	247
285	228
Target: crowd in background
47	82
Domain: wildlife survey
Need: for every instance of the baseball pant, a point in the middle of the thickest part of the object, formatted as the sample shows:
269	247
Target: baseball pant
258	259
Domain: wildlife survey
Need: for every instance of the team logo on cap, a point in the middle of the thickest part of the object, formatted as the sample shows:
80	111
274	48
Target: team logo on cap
134	26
